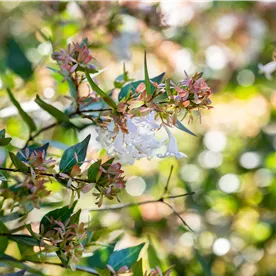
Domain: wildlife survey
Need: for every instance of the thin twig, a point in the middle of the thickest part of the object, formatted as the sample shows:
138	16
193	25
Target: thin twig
45	174
133	204
178	215
168	182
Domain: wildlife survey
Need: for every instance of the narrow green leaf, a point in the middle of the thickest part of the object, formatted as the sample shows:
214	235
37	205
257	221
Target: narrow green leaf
2	177
17	61
168	87
72	88
125	257
9	260
28	120
76	217
103	272
180	126
137	268
17	163
18	273
93	171
99	258
147	79
100	92
25	239
3	239
11	217
68	160
59	115
5	141
2	133
61	214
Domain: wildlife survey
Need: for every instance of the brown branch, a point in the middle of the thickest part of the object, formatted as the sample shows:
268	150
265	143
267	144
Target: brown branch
133	204
168	182
46	174
161	200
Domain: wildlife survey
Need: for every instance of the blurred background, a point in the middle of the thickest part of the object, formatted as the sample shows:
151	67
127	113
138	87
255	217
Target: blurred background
231	165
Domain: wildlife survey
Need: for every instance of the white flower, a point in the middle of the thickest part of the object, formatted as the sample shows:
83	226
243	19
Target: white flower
172	148
139	142
268	69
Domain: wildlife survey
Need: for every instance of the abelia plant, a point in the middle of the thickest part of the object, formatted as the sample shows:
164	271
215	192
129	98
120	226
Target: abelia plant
127	127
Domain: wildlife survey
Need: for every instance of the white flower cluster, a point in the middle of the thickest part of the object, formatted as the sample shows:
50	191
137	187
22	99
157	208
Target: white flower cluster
139	142
268	69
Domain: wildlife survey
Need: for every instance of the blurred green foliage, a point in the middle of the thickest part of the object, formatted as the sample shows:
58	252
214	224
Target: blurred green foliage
231	165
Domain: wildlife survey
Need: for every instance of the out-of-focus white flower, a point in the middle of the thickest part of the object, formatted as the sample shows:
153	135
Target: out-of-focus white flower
268	69
172	148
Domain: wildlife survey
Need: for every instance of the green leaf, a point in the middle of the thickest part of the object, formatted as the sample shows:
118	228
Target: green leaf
147	79
17	163
100	92
11	216
131	87
103	272
3	239
72	88
60	116
17	61
125	257
61	214
99	258
137	268
27	252
2	133
68	160
183	128
2	177
75	218
25	239
207	268
93	171
8	260
28	120
18	273
32	149
3	140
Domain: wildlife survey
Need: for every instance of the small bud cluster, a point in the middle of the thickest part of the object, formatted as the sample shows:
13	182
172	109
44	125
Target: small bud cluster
75	57
110	181
67	238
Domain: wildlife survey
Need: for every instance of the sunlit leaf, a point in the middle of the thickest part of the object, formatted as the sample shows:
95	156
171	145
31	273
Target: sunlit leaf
125	257
180	126
93	171
68	159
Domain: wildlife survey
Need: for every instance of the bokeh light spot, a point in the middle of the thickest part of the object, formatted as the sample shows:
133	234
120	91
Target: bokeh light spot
215	141
229	183
250	160
221	246
135	186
